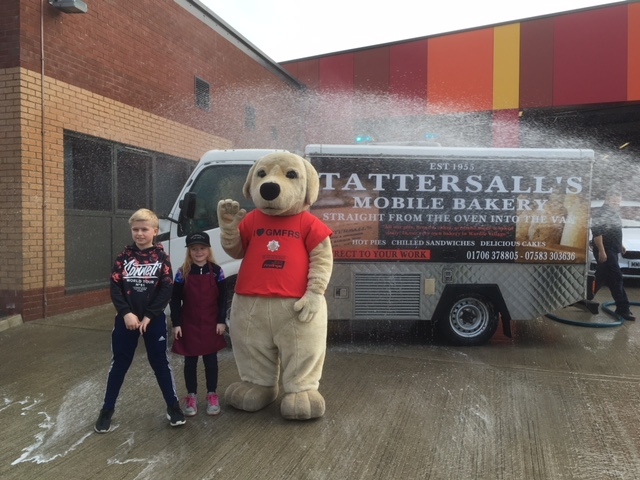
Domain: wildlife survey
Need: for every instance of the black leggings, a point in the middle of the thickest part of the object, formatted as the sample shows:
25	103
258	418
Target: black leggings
210	371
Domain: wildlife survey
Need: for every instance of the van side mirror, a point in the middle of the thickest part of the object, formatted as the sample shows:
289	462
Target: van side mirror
188	205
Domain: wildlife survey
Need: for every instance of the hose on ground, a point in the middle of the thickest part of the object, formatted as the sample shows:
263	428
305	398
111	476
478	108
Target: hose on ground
605	308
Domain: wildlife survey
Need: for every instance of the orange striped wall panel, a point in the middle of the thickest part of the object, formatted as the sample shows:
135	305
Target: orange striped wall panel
536	63
460	72
408	69
506	67
371	70
336	73
590	57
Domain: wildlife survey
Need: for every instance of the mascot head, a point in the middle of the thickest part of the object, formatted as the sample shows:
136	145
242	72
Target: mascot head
282	184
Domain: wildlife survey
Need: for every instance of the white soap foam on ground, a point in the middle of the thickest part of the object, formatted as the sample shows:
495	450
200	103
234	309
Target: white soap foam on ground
59	434
155	464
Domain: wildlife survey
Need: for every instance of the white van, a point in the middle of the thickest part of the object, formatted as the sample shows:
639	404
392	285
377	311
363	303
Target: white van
219	174
459	236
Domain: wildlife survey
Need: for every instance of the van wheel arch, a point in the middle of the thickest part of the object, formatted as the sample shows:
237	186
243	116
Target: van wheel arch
468	315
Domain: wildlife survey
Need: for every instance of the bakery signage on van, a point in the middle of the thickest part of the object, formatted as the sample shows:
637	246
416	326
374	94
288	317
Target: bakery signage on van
510	210
448	183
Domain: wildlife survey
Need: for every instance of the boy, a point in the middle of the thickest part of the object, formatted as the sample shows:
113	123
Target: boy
141	284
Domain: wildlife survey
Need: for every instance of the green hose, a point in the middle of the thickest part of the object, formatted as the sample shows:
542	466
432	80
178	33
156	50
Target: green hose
605	308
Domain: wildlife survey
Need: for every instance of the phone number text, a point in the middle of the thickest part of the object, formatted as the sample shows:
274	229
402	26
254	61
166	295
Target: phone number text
509	255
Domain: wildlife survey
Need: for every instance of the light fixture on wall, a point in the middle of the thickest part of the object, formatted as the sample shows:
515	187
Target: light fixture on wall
69	6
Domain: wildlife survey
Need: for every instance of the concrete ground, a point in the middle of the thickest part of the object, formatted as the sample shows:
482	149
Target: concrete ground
553	402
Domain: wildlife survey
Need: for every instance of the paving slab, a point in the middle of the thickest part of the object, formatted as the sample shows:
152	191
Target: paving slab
553	402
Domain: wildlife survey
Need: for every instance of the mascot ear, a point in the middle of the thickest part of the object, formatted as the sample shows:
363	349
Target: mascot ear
246	188
313	183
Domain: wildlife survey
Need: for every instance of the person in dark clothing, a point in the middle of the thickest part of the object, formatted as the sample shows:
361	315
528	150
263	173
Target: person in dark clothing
198	312
606	229
141	285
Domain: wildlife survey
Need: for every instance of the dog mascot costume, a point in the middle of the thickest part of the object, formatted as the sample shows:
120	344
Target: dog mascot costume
279	313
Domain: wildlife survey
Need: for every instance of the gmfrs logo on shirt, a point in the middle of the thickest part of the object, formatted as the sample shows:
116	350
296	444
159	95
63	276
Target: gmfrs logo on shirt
276	232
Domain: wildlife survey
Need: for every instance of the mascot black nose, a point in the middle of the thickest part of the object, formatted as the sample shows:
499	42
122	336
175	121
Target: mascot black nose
269	191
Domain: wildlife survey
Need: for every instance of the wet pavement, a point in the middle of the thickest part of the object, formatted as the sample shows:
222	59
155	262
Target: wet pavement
553	402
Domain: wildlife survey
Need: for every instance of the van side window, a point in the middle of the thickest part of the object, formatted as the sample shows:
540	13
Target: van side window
212	185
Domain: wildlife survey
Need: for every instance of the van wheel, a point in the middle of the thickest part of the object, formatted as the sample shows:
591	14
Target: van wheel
472	320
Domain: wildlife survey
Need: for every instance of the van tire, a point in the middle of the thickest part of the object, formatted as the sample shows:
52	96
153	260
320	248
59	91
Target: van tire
471	320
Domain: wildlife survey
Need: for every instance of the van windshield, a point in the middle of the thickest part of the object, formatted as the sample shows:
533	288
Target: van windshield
213	184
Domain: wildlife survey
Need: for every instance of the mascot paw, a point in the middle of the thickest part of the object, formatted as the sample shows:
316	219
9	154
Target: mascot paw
249	396
302	405
308	306
230	214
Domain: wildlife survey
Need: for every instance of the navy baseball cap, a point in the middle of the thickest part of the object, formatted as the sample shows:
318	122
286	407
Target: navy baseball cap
198	238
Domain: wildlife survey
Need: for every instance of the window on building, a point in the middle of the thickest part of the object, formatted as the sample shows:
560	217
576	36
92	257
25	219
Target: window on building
88	183
104	184
249	117
202	94
133	180
169	177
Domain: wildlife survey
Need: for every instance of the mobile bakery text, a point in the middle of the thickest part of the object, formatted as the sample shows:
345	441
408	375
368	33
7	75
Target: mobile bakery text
476	210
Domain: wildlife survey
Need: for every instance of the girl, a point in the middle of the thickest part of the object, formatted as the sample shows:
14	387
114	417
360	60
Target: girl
198	310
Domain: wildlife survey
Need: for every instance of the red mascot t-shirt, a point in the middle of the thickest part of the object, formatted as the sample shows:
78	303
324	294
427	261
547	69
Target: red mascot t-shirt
276	260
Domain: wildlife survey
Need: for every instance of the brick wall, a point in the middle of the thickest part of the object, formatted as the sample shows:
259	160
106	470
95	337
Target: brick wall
11	233
33	240
9	33
147	54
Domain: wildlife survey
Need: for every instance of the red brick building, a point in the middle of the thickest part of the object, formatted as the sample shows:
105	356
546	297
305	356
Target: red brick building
105	112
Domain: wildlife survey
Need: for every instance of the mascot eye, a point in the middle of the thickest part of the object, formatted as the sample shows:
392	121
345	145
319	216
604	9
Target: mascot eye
261	173
292	174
